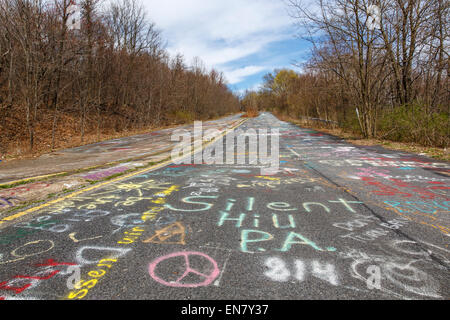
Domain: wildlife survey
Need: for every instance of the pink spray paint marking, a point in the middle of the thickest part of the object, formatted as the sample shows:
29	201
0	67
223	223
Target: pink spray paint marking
178	284
369	172
105	173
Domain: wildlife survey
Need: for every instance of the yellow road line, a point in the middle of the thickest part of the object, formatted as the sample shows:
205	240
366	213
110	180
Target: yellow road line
76	193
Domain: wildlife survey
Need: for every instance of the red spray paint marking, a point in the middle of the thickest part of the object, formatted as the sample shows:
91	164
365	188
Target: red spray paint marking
425	194
397	159
17	290
385	190
439	188
53	263
37	277
183	165
2	298
48	263
33	186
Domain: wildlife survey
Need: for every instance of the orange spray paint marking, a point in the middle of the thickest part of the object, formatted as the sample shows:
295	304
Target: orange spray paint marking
169	232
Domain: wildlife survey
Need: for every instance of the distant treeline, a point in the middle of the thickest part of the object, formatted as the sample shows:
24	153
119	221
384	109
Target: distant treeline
114	73
377	67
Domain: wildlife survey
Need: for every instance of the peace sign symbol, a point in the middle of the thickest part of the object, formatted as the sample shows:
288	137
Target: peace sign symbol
208	277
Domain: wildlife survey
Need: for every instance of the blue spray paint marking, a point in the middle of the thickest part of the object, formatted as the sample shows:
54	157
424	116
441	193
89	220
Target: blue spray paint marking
251	202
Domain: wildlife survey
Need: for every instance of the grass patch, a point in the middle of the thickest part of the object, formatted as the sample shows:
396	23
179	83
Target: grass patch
22	206
16	184
28	180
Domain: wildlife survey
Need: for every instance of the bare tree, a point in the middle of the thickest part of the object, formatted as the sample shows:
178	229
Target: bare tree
112	75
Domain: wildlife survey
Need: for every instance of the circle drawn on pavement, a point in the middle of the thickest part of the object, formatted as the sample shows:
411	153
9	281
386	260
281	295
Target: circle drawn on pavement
208	277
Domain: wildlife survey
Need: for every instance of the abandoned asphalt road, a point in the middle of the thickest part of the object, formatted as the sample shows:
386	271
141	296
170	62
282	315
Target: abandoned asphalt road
335	221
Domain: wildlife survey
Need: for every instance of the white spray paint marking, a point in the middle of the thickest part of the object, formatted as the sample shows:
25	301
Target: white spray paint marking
404	274
295	153
397	271
217	282
278	270
325	272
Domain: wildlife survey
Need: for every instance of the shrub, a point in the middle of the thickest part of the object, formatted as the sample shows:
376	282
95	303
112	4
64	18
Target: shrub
183	116
412	123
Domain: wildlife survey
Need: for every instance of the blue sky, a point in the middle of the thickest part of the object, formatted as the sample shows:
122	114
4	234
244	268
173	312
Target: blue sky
244	39
275	55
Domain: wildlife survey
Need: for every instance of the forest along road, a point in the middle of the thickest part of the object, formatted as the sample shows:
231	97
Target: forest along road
336	221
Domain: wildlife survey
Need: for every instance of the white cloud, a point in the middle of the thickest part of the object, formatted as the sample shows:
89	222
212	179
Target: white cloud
237	75
221	32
